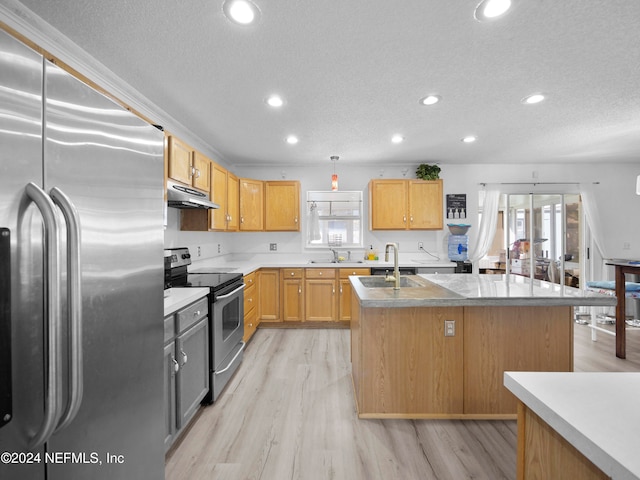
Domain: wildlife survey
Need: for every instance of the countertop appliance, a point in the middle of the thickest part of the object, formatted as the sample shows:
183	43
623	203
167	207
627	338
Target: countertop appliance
81	218
226	315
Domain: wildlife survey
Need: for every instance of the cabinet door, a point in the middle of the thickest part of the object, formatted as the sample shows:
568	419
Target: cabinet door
233	202
292	295
345	289
388	204
201	171
170	365
269	295
282	206
180	160
320	300
251	205
192	351
425	204
218	194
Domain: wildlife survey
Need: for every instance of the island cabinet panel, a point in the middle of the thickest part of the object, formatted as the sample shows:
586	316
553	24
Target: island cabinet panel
511	339
411	367
544	453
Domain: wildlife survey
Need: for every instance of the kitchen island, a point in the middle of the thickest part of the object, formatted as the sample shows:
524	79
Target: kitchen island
439	347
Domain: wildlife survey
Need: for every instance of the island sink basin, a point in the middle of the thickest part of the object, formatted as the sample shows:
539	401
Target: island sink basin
381	282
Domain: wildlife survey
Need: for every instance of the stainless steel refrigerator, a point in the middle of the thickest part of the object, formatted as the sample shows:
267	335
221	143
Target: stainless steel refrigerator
81	279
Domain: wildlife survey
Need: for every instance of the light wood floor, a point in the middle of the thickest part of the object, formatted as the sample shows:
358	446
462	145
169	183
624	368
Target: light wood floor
289	413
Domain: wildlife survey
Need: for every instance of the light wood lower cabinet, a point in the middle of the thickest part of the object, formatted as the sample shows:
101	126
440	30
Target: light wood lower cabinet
269	295
344	297
250	305
292	280
320	300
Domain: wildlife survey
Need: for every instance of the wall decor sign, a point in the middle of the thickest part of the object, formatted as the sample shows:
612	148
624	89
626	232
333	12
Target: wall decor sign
456	206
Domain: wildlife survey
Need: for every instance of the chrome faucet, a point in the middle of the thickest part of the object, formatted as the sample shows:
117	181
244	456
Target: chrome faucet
336	258
396	270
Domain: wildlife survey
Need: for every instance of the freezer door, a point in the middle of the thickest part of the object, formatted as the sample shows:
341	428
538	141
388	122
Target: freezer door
21	163
110	164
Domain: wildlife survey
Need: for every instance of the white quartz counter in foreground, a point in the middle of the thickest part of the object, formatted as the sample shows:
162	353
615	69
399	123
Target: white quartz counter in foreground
176	298
597	413
478	290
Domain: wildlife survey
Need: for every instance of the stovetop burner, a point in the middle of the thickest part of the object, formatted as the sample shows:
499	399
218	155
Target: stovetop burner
176	274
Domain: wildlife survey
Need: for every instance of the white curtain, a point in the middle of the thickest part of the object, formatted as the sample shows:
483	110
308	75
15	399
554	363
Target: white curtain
590	205
488	224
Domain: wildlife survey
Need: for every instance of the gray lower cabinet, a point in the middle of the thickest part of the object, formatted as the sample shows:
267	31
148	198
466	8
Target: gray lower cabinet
186	363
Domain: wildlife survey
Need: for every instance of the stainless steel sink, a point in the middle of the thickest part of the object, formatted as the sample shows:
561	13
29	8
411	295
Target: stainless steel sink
381	282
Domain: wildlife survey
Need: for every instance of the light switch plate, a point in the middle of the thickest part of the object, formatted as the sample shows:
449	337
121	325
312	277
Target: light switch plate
449	328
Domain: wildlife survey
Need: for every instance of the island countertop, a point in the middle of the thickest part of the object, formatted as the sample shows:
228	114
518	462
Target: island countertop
448	290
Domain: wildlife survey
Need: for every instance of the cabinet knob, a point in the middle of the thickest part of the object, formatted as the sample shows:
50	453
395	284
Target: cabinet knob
295	220
404	218
292	274
250	300
196	313
184	357
320	273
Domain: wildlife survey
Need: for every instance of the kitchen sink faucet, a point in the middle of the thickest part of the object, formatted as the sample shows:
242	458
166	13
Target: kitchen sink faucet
396	270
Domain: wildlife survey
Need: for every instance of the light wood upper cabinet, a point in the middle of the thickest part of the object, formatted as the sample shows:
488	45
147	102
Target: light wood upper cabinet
282	205
180	155
218	194
405	204
233	202
201	171
425	204
251	204
187	165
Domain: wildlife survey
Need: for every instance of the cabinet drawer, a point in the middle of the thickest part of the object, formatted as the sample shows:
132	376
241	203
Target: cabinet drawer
320	272
360	272
250	299
194	312
250	324
169	327
250	279
291	273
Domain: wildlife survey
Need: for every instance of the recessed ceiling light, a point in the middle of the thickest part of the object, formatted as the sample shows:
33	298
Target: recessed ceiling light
430	100
275	101
490	9
533	98
469	139
397	139
292	139
242	12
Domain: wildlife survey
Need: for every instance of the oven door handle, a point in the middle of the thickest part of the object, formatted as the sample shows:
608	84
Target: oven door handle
219	297
219	372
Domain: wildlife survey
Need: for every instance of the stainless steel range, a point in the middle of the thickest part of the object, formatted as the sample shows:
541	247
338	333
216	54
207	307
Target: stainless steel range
226	314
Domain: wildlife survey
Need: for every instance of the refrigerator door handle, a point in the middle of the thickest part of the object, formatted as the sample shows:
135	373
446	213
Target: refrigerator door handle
74	307
52	325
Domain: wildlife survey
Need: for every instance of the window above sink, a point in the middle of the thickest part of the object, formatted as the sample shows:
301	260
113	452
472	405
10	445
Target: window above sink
334	219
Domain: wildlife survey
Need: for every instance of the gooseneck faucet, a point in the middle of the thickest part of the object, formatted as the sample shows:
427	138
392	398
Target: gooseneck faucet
396	270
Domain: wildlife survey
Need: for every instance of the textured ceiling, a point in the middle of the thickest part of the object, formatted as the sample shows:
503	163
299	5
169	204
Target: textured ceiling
352	73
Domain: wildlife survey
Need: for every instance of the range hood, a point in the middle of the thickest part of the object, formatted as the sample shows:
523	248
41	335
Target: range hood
180	196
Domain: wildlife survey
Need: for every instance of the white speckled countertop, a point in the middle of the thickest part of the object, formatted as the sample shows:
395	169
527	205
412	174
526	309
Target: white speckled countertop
176	298
477	290
597	413
248	263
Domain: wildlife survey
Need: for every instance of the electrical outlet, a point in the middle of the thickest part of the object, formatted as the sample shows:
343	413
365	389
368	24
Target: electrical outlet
273	247
199	252
449	328
420	245
219	249
626	246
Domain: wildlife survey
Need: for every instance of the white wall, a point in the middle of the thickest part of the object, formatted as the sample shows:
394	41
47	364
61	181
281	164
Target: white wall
619	206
